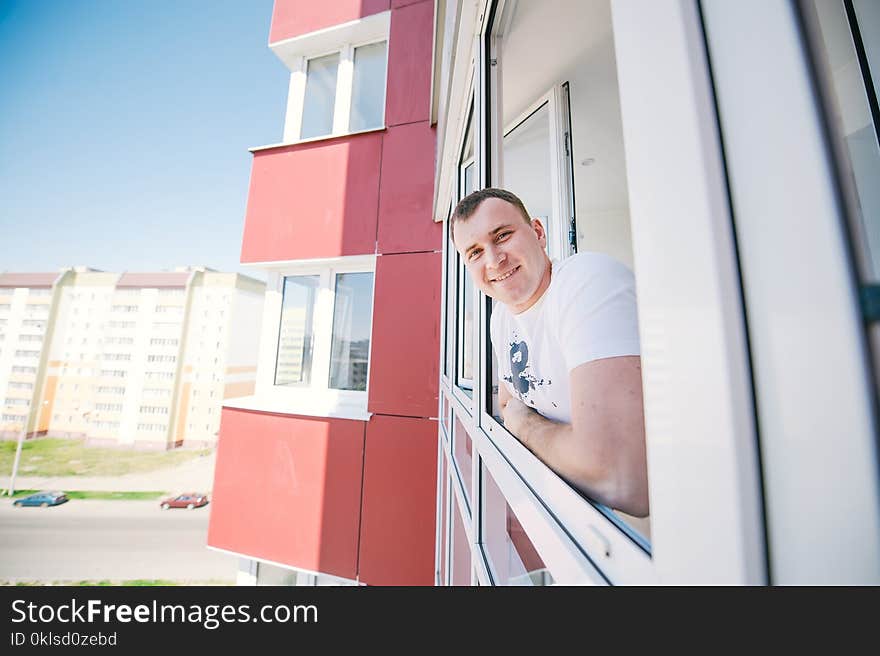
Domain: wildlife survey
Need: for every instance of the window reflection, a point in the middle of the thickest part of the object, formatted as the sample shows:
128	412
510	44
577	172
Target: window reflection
320	96
444	503
512	556
368	87
461	550
296	333
462	451
850	51
465	307
466	330
273	575
526	150
352	319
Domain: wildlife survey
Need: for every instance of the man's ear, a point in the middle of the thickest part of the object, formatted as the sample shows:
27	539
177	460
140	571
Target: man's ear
541	233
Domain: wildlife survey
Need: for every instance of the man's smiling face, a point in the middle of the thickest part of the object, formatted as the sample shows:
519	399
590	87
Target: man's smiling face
504	255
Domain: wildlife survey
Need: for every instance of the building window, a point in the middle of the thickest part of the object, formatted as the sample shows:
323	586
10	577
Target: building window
344	91
346	332
513	559
554	140
352	321
293	364
320	360
337	83
464	373
368	87
320	96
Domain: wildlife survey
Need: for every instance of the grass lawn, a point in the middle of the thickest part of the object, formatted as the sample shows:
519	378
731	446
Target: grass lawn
68	457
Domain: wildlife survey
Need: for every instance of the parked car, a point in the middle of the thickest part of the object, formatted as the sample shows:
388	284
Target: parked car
188	500
42	499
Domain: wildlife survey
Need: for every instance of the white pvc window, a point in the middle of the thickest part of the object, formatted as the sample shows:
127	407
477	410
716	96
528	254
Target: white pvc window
339	92
320	97
368	87
352	323
512	556
464	378
324	330
315	357
296	334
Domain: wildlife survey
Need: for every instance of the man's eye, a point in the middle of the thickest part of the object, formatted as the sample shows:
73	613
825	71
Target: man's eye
473	255
502	236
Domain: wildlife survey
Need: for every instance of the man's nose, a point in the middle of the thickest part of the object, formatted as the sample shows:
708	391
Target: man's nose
496	256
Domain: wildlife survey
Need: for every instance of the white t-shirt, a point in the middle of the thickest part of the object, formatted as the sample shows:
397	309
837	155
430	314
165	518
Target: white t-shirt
587	313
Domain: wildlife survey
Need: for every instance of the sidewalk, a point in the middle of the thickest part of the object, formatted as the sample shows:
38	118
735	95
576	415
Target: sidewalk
196	475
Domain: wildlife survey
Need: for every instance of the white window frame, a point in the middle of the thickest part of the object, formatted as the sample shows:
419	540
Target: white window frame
562	525
465	388
316	398
342	39
556	224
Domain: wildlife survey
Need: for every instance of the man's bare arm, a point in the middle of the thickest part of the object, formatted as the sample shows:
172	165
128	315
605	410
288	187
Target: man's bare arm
602	450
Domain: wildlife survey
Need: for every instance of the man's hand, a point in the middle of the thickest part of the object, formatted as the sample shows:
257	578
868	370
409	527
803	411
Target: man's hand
516	415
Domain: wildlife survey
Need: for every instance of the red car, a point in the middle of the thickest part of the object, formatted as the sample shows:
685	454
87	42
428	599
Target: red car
189	501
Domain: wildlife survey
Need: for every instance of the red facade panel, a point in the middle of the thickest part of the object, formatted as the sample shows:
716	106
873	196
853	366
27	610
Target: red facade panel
406	194
409	64
400	492
404	370
312	200
288	489
292	18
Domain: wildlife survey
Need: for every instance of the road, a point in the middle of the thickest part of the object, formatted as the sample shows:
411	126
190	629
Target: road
90	540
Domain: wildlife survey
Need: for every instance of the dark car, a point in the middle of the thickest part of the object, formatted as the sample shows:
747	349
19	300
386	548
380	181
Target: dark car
42	499
189	501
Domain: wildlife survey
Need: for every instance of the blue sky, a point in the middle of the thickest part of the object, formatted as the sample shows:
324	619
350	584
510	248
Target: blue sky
125	127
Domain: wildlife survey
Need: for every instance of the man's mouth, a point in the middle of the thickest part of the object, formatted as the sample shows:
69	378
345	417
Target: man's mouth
506	275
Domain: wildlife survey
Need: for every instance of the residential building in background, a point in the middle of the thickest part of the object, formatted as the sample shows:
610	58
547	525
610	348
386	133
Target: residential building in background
726	152
142	360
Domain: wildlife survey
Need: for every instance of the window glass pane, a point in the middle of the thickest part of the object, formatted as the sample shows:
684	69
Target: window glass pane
352	320
462	452
444	502
512	556
468	151
468	181
465	316
853	88
451	278
526	153
320	97
274	575
465	330
368	87
494	407
461	550
293	365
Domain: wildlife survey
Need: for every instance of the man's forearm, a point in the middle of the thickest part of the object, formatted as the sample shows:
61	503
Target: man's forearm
555	444
585	463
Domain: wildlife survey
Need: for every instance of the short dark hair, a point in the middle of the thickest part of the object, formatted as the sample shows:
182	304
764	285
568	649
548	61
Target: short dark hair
469	204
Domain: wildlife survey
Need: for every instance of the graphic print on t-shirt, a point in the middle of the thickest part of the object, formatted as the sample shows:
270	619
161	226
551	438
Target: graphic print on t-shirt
521	372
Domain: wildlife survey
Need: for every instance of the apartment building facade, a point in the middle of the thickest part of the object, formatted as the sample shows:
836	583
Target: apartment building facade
726	152
134	359
341	432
